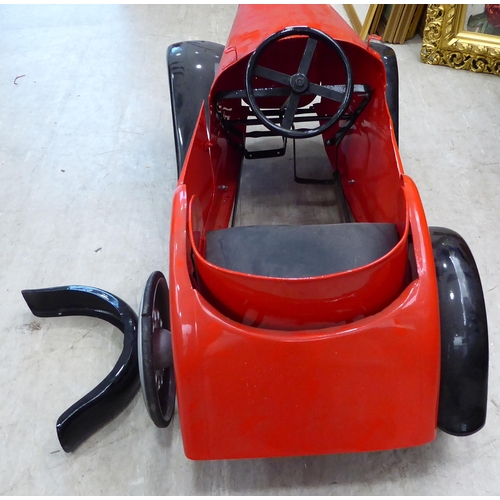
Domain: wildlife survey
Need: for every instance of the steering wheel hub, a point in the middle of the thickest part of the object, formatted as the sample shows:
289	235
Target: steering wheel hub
299	83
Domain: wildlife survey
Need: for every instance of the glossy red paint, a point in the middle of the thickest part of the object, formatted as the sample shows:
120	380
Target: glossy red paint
254	23
298	303
330	364
252	392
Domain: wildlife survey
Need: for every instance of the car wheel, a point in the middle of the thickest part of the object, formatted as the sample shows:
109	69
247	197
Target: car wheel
156	366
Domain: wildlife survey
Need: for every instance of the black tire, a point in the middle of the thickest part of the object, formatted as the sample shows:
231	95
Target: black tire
156	369
464	336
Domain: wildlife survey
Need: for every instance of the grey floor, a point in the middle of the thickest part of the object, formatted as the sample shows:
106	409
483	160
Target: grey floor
87	168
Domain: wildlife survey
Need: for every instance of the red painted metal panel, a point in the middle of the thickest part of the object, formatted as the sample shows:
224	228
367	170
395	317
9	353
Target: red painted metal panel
248	392
340	363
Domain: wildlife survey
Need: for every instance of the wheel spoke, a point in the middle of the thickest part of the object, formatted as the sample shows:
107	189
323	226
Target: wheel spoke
305	63
325	91
271	74
293	104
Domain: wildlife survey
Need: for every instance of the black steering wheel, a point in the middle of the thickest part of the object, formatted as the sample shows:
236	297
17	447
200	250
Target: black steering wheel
298	84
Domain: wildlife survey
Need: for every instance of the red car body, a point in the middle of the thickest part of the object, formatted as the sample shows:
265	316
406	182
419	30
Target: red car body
271	366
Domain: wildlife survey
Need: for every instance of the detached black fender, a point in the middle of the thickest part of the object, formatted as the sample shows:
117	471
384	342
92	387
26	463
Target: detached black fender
118	389
191	69
392	74
464	335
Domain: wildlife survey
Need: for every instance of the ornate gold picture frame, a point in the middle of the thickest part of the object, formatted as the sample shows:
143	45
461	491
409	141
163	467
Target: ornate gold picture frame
446	42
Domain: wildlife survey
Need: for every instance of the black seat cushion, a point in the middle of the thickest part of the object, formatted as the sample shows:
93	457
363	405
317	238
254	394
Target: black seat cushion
299	251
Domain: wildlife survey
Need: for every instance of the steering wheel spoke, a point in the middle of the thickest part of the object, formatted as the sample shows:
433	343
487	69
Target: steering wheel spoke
291	109
307	58
273	75
325	91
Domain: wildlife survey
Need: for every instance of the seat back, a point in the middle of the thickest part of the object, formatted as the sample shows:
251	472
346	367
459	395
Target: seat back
256	292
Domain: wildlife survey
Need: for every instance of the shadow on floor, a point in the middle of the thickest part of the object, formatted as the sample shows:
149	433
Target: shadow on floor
324	474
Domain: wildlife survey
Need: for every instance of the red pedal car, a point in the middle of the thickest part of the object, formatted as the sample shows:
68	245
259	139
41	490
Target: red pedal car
311	337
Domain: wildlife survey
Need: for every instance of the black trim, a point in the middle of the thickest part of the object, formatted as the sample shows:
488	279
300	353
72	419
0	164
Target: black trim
191	68
392	90
119	388
464	336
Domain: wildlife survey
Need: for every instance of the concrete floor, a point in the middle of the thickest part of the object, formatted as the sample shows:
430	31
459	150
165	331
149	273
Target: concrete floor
88	169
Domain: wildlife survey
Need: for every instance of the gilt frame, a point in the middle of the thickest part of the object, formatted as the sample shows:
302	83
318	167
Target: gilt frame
446	43
362	26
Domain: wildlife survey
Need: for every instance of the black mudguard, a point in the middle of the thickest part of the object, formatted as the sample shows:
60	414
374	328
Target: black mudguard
392	90
464	336
191	69
117	390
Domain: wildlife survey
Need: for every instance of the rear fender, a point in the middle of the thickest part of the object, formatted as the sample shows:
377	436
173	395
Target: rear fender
389	59
191	67
117	390
464	335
